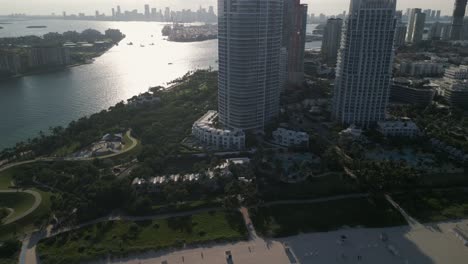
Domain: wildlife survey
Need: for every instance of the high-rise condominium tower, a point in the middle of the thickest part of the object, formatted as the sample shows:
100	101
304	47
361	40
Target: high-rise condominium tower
331	40
365	62
294	38
416	24
250	33
457	22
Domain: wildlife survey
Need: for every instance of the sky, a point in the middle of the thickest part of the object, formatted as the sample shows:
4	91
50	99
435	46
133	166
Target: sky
46	7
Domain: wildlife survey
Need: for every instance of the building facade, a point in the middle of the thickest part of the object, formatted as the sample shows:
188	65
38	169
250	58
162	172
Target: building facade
457	19
402	91
294	37
399	128
420	68
416	26
331	41
208	134
365	61
400	35
49	56
249	79
290	138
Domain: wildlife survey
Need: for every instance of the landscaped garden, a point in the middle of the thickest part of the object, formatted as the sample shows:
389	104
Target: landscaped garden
293	219
434	206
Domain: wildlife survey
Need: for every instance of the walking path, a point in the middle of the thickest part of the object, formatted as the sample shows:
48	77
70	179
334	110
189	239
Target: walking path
37	202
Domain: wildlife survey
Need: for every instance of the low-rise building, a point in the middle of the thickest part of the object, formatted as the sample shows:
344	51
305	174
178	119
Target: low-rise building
455	92
457	73
399	128
454	86
420	68
144	99
403	91
205	130
290	138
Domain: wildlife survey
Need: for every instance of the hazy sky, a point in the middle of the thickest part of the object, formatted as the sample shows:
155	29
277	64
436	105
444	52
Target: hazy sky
89	6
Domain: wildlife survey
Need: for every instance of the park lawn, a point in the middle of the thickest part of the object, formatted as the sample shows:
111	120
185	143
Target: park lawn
289	220
121	238
19	202
67	149
5	178
30	222
434	206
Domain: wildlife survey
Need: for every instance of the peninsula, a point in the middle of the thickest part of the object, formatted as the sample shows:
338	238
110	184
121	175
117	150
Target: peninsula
32	54
181	33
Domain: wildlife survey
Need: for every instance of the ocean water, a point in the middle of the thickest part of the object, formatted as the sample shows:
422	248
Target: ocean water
34	103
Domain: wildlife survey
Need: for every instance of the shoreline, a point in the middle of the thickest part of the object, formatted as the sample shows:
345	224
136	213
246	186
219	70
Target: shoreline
55	69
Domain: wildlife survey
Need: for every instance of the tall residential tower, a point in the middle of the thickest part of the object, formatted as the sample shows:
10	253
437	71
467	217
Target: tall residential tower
294	38
250	34
416	24
331	40
365	61
457	20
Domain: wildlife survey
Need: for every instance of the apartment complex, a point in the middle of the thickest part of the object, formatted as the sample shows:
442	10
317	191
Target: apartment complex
365	61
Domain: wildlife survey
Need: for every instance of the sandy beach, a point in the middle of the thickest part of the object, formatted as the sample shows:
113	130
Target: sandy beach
420	244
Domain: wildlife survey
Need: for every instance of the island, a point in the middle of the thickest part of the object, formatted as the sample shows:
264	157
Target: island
20	56
36	27
181	33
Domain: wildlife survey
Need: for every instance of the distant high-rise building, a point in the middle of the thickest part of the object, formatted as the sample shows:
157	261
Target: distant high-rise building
167	14
416	26
331	40
400	35
64	14
113	12
438	15
457	20
427	12
249	37
433	14
119	11
365	61
97	13
147	11
465	29
294	38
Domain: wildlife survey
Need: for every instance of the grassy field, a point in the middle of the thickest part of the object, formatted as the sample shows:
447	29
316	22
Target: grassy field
5	178
19	202
67	150
288	220
122	238
435	206
29	222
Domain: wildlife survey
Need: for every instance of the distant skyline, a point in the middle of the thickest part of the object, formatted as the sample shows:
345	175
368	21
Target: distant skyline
46	7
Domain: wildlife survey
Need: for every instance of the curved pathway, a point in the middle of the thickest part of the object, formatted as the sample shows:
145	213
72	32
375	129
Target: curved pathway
37	202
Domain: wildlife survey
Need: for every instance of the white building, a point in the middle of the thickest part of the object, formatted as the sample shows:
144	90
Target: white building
399	128
420	68
365	60
205	131
457	73
290	138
